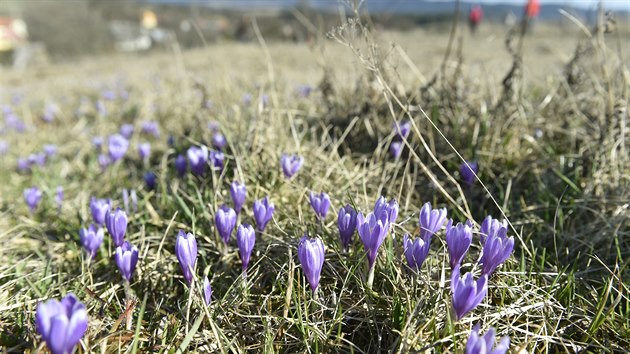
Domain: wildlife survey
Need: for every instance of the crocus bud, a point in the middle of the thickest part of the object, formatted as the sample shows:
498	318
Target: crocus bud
150	179
416	251
245	239
396	148
225	221
50	150
458	239
238	191
180	165
291	164
311	255
431	220
207	290
59	197
263	213
218	160
347	223
197	157
468	170
117	147
97	141
485	344
116	222
144	150
91	239
186	252
61	324
126	130
467	293
496	250
32	196
372	231
104	161
490	227
99	208
320	204
126	258
218	141
402	129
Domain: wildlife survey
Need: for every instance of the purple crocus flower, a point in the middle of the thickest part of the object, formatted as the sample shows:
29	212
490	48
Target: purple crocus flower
97	141
213	126
218	141
291	164
490	227
347	223
467	293
311	255
402	129
245	239
247	99
91	239
320	204
4	147
37	159
372	231
59	197
430	220
396	148
416	251
109	95
150	128
458	239
238	191
263	213
126	257
181	165
23	164
144	150
32	196
496	250
485	344
116	223
150	179
104	161
225	221
186	252
197	157
217	158
468	170
117	147
126	130
385	209
50	150
303	90
207	290
99	208
49	113
61	324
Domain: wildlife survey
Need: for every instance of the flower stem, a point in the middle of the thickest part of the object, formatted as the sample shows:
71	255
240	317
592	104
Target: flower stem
128	312
370	278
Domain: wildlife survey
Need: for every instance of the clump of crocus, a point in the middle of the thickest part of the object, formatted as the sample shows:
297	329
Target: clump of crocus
263	213
61	324
430	220
467	293
150	179
116	223
458	240
207	290
126	257
320	204
32	196
197	158
238	191
186	252
372	229
144	150
245	239
468	170
416	251
497	249
99	208
490	227
91	239
311	255
117	147
291	164
126	130
180	165
225	221
485	344
347	224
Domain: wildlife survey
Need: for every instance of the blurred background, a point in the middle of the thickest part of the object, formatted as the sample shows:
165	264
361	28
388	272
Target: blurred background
35	32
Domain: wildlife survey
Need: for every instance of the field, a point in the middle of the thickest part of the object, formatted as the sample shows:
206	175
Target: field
550	139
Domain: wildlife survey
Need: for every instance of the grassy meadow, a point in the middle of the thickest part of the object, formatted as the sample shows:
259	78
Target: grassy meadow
547	124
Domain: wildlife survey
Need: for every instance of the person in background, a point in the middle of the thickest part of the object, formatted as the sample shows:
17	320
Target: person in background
474	18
